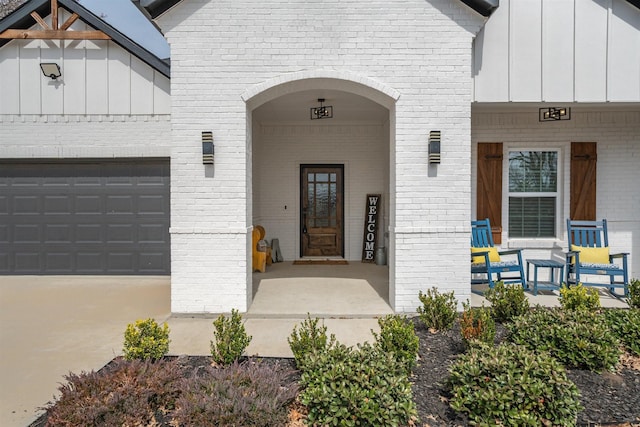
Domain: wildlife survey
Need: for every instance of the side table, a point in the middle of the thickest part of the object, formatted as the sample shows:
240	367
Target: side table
552	266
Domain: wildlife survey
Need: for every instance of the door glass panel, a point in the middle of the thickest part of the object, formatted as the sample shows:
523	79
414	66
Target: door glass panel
322	177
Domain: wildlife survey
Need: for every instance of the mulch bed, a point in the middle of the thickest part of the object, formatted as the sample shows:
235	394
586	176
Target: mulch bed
609	398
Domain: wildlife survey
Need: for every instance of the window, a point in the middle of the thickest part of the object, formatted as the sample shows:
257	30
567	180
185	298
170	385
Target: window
533	193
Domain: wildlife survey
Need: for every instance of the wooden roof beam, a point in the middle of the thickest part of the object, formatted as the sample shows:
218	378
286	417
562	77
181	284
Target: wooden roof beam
54	35
39	20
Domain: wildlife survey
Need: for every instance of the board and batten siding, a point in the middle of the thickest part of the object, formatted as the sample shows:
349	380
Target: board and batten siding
98	77
559	51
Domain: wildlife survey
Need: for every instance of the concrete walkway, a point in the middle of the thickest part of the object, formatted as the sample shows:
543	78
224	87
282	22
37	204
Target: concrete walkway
53	325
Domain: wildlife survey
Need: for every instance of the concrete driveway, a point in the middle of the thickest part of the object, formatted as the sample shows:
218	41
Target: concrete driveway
51	325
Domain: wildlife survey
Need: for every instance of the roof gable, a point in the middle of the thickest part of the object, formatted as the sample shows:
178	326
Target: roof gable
24	18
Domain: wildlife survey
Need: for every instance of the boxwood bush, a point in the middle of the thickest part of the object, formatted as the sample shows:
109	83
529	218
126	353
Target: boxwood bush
507	301
510	385
578	297
477	325
231	339
398	337
579	339
145	339
307	338
438	311
343	386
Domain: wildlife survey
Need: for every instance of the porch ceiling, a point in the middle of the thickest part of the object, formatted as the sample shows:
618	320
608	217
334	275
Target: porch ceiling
347	107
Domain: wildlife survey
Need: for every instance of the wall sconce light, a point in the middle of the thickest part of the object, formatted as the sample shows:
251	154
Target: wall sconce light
434	147
207	148
321	112
51	70
554	113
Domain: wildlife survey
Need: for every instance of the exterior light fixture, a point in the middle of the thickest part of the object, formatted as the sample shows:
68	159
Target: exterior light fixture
434	147
51	70
321	112
554	113
207	148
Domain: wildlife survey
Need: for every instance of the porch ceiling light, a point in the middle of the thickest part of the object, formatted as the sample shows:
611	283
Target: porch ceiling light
321	112
51	70
554	113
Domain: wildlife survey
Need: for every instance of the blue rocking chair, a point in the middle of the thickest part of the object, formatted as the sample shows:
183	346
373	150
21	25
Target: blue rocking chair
589	255
487	265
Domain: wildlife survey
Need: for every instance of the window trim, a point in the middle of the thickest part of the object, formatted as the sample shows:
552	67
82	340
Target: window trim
532	242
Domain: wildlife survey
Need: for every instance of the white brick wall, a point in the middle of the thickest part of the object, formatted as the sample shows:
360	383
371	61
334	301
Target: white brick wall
617	134
222	50
55	136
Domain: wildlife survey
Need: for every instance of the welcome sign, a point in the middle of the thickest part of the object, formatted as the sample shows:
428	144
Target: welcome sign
370	227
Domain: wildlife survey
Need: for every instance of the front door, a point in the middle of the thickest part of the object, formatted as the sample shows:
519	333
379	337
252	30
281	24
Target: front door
321	210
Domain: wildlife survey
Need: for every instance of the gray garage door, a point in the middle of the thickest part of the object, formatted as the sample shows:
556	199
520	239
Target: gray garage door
97	217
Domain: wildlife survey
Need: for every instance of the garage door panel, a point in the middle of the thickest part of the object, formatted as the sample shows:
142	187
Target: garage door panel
58	233
59	263
88	205
152	205
26	233
27	262
90	262
121	262
101	217
89	233
26	205
60	205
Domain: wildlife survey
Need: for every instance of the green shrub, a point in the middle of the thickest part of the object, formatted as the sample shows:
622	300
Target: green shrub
308	339
509	385
146	340
248	394
579	298
579	339
625	324
356	387
507	301
477	325
398	337
438	311
634	294
123	393
231	339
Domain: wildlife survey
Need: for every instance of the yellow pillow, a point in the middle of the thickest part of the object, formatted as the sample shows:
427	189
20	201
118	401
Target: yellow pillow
592	255
494	256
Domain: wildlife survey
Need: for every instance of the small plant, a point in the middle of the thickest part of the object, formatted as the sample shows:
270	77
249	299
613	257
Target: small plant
398	337
146	340
477	325
509	385
123	393
507	301
579	298
308	339
578	339
247	394
438	311
231	339
356	387
625	324
634	294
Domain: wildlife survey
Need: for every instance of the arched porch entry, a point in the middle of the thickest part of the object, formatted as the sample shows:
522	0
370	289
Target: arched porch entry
310	178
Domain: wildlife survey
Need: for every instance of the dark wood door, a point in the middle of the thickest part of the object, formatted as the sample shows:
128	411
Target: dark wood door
321	210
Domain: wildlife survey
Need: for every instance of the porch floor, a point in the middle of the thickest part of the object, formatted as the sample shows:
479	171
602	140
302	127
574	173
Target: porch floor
355	290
